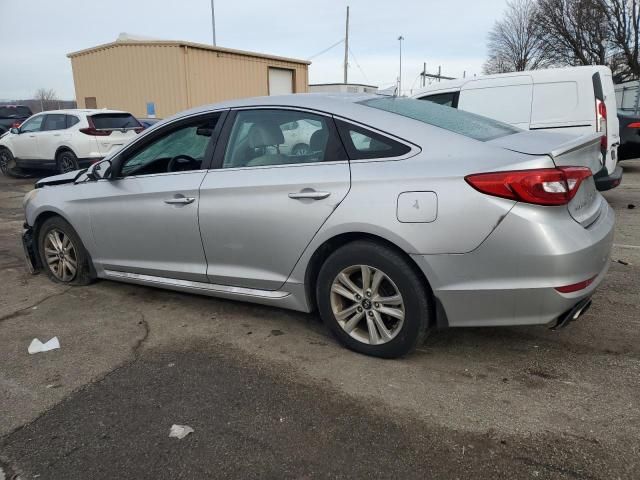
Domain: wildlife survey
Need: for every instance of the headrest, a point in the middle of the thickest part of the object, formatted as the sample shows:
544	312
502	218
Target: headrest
318	140
264	134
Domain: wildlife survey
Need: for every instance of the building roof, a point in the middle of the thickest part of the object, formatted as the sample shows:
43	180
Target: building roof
181	43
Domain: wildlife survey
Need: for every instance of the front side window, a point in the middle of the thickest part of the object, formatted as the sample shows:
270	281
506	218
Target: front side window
280	137
55	121
175	149
362	143
463	123
32	125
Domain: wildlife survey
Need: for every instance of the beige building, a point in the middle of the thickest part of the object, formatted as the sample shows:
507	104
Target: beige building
153	77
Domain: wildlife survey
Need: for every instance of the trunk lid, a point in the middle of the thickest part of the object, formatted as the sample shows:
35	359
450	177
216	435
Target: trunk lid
566	151
123	127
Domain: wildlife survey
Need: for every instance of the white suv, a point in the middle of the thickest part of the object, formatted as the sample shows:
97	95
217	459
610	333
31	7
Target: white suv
66	140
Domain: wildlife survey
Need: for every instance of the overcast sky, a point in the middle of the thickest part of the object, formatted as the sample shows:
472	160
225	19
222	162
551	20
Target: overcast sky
36	35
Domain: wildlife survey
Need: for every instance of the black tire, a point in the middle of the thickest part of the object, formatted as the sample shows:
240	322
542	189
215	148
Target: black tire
82	275
67	161
8	165
415	296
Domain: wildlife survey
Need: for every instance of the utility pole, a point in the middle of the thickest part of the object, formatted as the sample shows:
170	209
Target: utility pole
400	39
346	47
213	23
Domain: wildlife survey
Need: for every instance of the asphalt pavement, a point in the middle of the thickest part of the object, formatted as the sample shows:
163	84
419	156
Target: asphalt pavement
270	394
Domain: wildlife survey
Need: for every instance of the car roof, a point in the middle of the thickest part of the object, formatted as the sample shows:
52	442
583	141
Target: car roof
548	74
336	103
86	111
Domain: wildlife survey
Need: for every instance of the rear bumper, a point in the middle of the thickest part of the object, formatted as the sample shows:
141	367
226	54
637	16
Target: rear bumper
604	181
511	278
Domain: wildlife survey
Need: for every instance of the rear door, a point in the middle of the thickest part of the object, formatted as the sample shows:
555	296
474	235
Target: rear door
53	135
115	129
262	204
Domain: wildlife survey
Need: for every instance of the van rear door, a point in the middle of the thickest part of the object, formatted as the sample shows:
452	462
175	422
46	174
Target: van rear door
507	99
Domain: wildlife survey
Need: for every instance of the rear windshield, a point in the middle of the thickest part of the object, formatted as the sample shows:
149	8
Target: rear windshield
103	121
15	112
452	119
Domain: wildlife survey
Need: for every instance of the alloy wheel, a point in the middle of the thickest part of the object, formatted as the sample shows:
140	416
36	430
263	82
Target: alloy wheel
367	304
60	254
6	162
67	164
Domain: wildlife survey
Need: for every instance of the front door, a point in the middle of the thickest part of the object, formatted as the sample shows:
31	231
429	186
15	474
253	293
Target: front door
146	219
25	145
263	203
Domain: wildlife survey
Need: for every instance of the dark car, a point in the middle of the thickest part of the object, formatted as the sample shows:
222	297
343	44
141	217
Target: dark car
629	135
13	116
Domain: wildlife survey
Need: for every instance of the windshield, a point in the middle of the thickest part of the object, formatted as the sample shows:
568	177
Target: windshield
114	121
452	119
14	112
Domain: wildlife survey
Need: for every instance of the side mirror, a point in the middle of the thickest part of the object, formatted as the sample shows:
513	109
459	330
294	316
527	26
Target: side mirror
99	170
15	131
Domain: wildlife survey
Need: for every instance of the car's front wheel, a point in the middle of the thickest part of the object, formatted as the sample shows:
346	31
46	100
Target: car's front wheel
62	255
8	164
67	162
373	300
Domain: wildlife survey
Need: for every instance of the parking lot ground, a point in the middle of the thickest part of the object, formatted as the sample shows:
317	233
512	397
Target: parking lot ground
270	394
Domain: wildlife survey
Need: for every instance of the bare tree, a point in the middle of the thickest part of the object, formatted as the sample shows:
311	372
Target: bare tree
46	97
576	30
623	19
516	42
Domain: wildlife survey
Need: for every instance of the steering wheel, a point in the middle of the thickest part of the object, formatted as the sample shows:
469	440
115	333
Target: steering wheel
182	163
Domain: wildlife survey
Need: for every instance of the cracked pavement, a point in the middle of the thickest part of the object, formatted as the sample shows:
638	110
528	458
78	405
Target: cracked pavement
270	394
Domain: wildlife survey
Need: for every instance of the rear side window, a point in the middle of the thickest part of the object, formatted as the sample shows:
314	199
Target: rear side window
71	121
362	143
15	112
54	121
457	121
447	99
114	121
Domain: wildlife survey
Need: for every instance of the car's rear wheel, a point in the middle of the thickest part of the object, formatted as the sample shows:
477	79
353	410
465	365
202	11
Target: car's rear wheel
67	161
373	300
62	255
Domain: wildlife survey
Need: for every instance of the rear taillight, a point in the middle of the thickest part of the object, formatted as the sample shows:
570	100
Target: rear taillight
574	287
95	132
16	124
601	116
545	186
634	125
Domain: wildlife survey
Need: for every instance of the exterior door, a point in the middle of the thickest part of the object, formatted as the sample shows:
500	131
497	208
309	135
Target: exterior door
25	145
53	134
280	81
145	220
263	203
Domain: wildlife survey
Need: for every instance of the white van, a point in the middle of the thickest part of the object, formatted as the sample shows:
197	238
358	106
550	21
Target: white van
578	100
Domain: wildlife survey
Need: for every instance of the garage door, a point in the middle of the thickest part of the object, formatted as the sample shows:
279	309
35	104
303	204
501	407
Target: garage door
280	81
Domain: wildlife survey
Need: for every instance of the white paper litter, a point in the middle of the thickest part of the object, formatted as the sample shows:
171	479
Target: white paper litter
36	346
2	477
180	431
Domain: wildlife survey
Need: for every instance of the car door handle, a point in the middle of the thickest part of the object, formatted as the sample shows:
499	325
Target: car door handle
311	194
180	200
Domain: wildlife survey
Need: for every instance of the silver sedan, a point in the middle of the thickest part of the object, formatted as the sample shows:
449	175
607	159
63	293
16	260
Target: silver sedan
399	216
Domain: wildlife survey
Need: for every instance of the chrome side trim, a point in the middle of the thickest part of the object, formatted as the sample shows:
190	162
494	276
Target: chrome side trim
210	288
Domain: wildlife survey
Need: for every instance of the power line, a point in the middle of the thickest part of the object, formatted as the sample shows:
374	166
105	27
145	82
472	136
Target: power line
326	49
355	60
